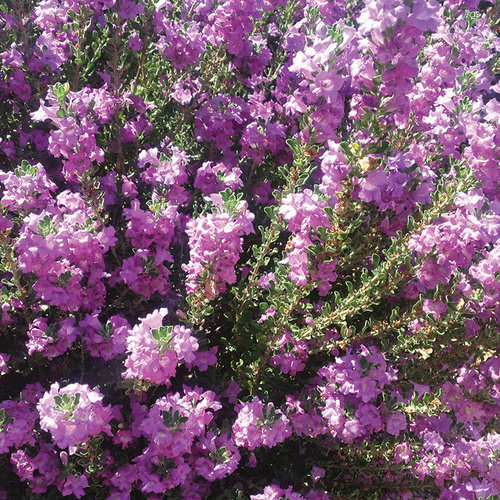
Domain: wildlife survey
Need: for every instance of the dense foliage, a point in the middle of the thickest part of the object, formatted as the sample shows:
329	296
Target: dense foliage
249	249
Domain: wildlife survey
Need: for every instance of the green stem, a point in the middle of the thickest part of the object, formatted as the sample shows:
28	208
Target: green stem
387	278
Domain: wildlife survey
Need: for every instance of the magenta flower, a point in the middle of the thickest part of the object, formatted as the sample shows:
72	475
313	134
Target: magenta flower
156	350
175	421
38	336
29	188
4	363
260	425
73	414
75	485
304	213
435	307
39	471
216	242
396	423
17	421
317	473
274	492
220	456
403	453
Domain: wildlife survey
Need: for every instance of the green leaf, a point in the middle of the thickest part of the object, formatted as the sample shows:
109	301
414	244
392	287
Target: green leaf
383	147
367	326
344	331
394	314
346	150
322	233
294	145
365	275
277	195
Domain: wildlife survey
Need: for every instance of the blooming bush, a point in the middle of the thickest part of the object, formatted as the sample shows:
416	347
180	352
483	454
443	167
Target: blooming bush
250	249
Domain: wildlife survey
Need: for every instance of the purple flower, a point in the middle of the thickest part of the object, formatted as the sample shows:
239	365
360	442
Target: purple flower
259	425
129	9
72	414
274	492
403	453
214	177
151	353
220	456
304	213
38	338
64	247
265	280
29	188
4	363
174	421
17	421
333	412
352	430
135	43
40	471
433	442
481	488
435	307
75	485
317	473
216	242
396	423
369	417
5	224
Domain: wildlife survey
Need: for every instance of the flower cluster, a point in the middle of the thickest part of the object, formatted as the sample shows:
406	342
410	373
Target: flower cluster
259	425
216	242
64	247
73	414
156	350
250	249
